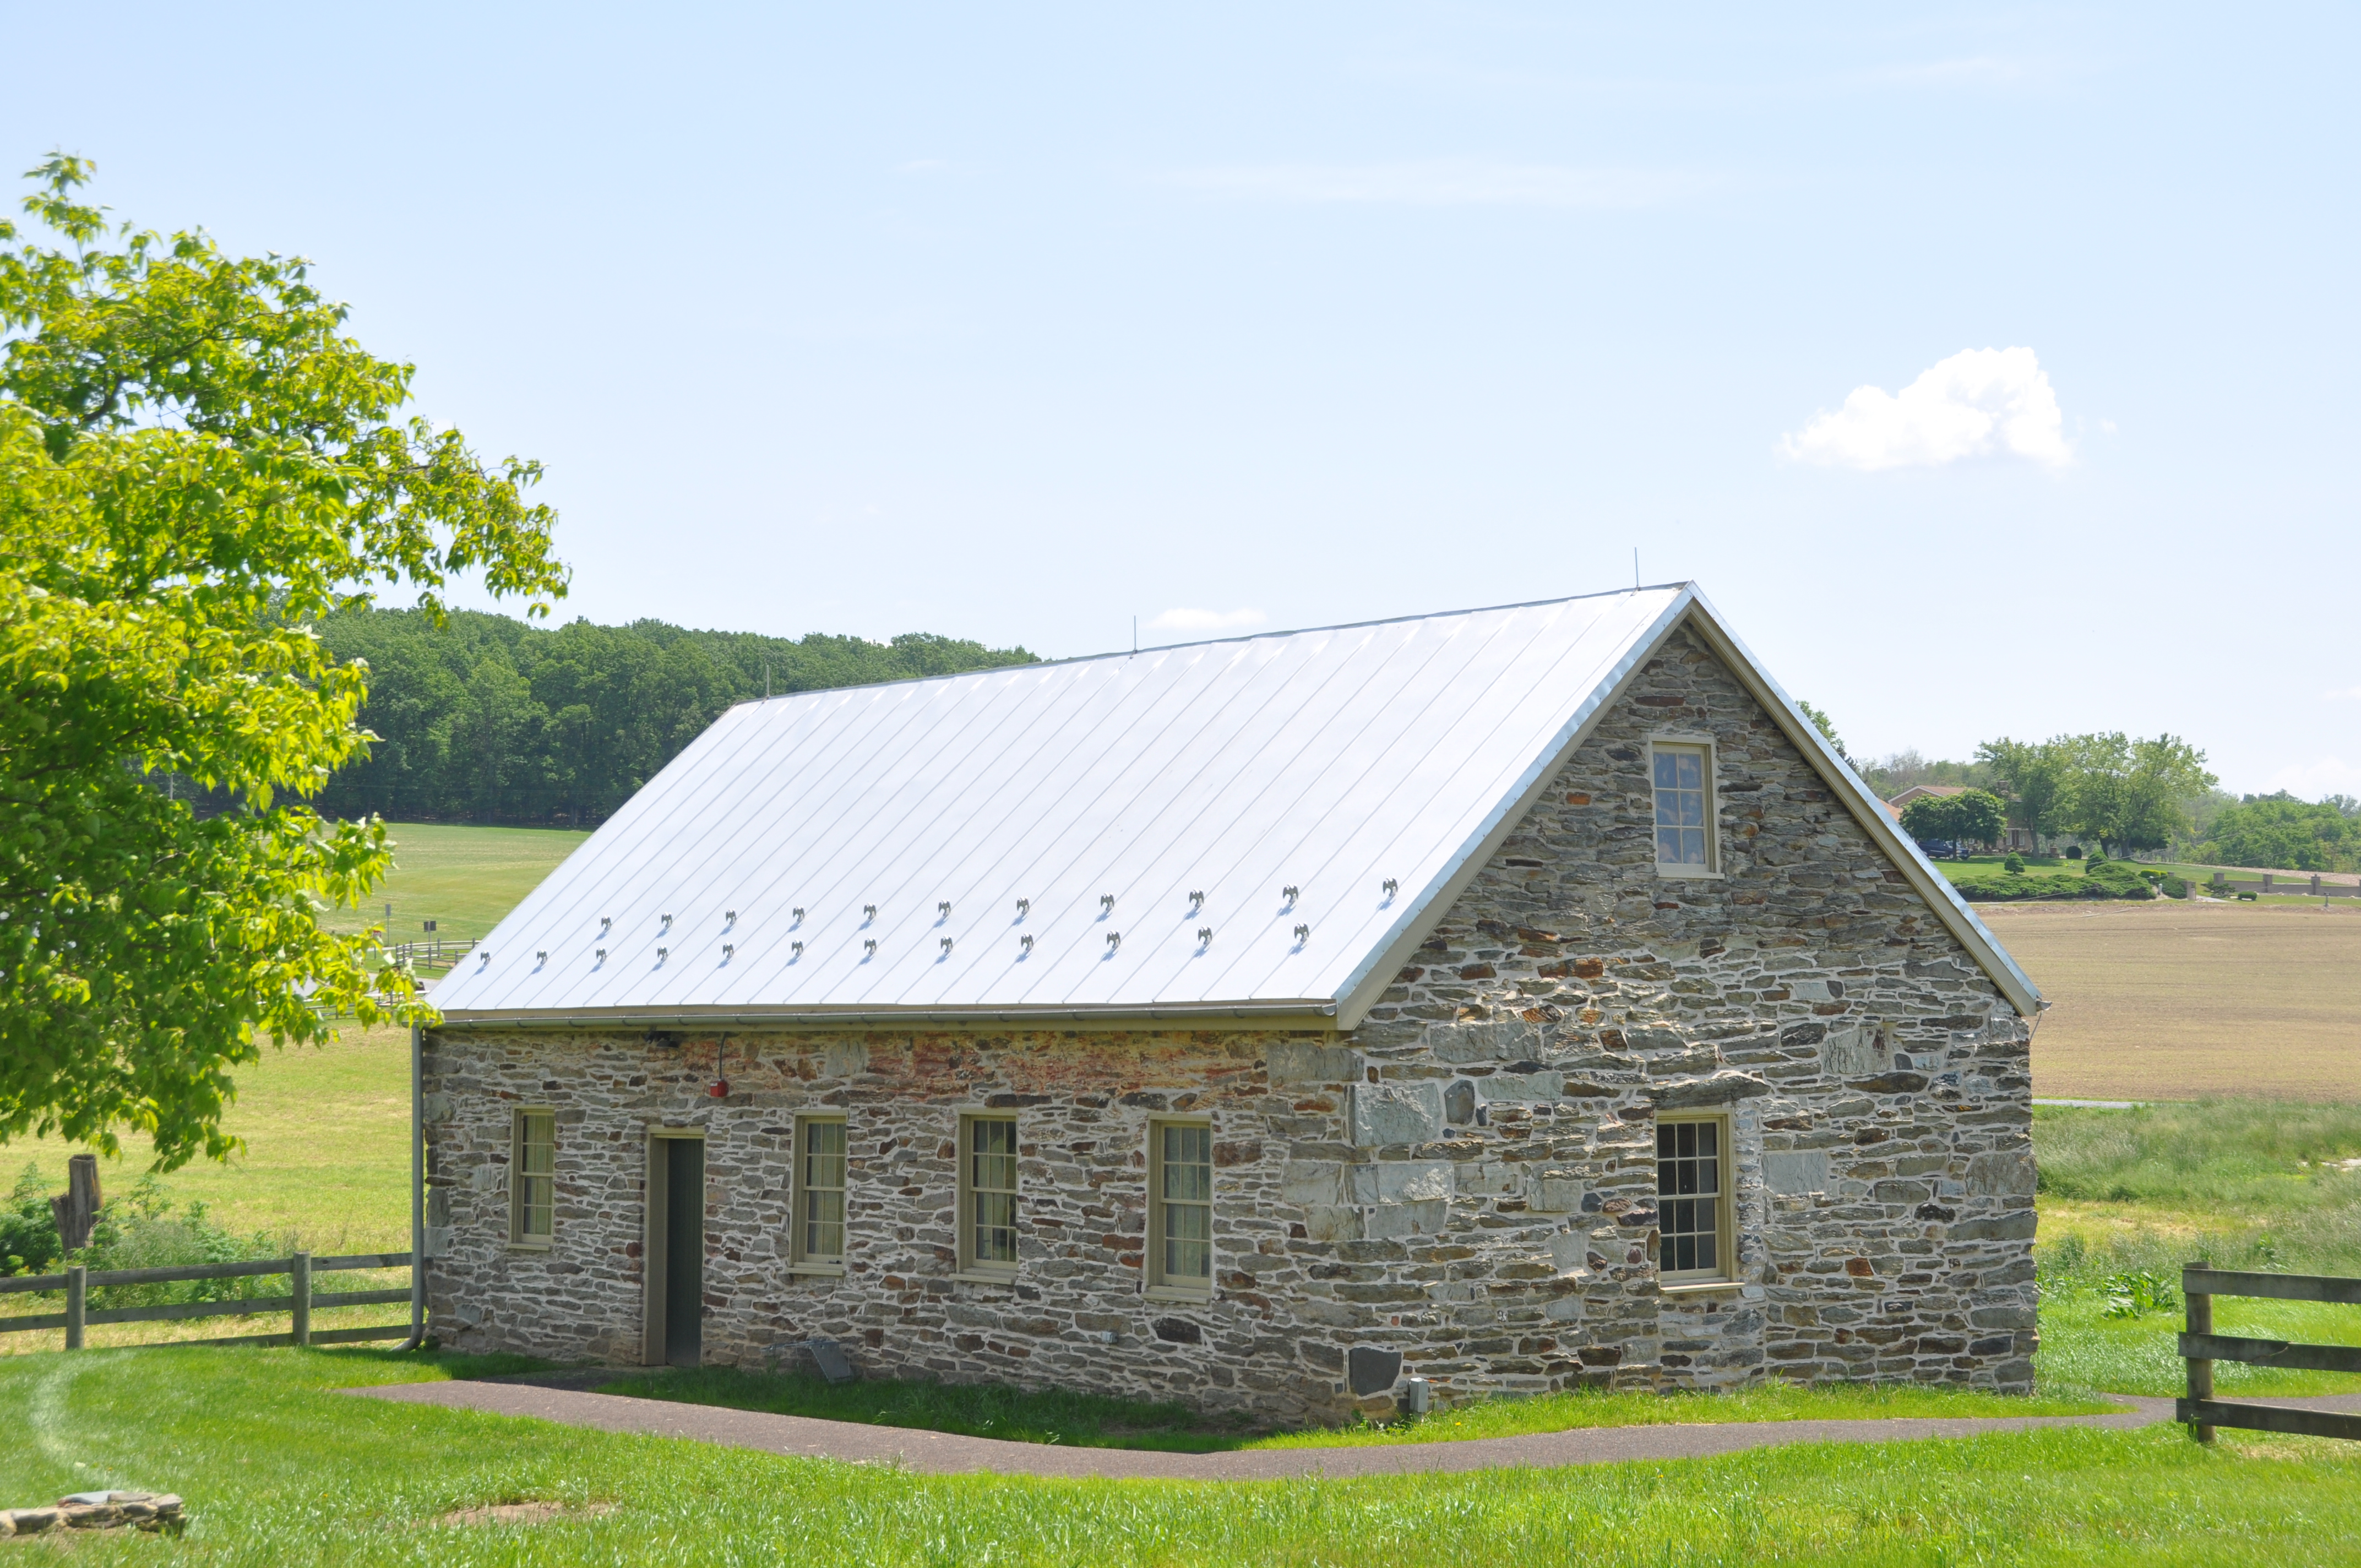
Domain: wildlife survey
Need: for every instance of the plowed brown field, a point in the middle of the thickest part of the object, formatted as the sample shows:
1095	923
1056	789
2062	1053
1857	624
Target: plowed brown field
2170	1001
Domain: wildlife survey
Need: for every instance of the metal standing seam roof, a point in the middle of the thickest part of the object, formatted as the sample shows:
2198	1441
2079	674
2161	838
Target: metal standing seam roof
1029	844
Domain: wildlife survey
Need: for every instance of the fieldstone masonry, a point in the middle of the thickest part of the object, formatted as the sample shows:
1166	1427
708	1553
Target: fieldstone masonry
1466	1181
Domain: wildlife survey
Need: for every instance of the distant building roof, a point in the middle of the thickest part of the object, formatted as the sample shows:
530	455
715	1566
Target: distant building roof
1916	790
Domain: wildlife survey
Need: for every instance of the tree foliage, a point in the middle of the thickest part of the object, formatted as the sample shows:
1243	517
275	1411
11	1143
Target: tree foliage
1825	724
196	464
2129	796
484	718
2277	832
2031	778
1971	816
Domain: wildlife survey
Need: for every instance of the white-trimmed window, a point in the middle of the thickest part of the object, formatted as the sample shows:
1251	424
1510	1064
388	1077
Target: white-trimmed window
1693	1207
532	1177
987	1196
1680	776
1180	1207
819	1190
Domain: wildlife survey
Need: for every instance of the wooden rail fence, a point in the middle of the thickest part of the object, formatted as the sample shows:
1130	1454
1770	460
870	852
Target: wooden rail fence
298	1304
438	954
2201	1347
2224	885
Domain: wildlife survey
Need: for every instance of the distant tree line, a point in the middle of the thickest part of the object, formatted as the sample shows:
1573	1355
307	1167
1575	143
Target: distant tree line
2125	794
489	719
2278	833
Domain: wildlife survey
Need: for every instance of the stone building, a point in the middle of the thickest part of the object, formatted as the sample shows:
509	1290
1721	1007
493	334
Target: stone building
1516	999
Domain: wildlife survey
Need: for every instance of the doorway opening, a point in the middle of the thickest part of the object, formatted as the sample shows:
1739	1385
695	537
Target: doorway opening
676	1249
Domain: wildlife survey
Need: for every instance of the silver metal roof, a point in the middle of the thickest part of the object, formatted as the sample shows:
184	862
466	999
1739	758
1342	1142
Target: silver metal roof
884	853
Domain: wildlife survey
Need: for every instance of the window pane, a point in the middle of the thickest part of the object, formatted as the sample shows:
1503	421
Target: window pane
820	1203
536	1169
823	1225
1681	824
992	1192
1185	1210
824	1154
1688	1189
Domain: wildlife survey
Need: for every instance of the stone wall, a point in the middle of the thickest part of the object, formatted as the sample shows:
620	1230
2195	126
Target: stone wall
1465	1181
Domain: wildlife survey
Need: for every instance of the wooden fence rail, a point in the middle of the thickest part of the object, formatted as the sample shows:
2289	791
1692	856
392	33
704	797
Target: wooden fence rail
2201	1347
298	1303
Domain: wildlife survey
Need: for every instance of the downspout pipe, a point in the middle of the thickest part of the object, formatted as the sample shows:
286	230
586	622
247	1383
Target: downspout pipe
417	1192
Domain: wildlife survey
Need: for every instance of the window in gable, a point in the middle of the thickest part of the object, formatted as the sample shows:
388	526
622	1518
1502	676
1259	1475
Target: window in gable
1683	777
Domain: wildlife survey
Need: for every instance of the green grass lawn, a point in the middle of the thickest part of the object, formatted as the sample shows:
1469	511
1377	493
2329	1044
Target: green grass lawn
463	879
1090	1420
277	1468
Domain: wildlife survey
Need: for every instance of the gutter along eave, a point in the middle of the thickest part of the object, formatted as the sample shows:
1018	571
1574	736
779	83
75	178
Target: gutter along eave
1310	1012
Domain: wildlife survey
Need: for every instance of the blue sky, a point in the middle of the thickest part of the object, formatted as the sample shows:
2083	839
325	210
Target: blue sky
1990	367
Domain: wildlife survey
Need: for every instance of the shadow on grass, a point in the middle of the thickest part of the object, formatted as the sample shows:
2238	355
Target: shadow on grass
1092	1420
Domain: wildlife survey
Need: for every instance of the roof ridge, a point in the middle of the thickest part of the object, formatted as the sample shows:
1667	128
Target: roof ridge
1217	642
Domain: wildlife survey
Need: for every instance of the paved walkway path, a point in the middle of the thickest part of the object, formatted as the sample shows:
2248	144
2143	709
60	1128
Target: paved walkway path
941	1453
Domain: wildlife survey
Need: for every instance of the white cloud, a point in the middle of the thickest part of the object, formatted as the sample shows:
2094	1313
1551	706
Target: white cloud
2328	775
1446	182
1206	619
1979	402
2339	696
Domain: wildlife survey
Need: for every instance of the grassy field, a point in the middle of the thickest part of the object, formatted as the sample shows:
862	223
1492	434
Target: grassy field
2175	1000
2137	1194
463	879
1090	1420
278	1469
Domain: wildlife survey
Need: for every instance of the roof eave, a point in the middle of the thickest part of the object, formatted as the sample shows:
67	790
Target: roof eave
1309	1013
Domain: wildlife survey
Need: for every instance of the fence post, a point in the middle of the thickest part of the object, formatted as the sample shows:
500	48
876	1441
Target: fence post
2200	1371
299	1328
77	1295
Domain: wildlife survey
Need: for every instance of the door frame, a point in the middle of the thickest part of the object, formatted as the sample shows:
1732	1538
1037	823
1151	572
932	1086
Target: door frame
655	1241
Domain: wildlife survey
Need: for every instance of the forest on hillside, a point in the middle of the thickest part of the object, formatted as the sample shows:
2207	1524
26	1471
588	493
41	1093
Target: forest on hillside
490	719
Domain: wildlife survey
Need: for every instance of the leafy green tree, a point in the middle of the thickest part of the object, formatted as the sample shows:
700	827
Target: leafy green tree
195	465
1971	817
2032	779
2130	796
1825	724
2279	832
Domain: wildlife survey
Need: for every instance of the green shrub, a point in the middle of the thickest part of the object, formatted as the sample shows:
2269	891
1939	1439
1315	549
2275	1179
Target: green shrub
2136	1293
2105	878
146	1229
29	1232
2175	886
2015	864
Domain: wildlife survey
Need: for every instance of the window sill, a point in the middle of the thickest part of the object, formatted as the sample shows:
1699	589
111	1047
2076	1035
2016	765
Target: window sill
531	1245
972	1277
1178	1293
1701	1287
817	1270
1688	873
